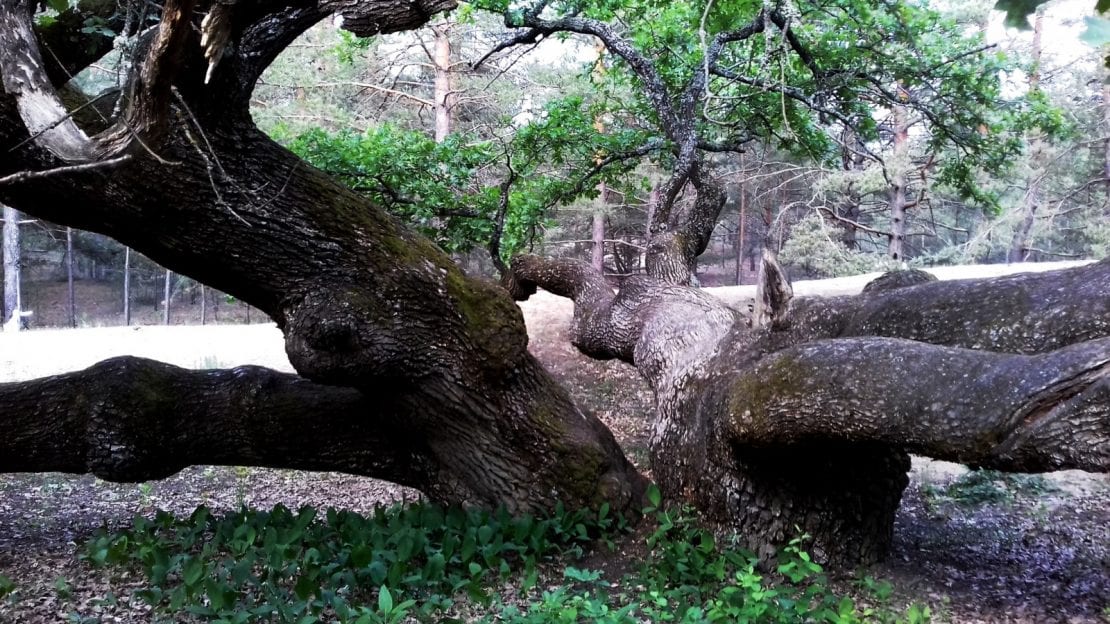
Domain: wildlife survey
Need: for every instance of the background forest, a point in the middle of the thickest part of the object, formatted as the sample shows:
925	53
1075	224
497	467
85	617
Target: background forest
1002	154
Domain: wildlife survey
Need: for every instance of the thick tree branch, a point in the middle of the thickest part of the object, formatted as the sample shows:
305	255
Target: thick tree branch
569	278
1008	412
146	119
664	330
131	419
26	80
263	29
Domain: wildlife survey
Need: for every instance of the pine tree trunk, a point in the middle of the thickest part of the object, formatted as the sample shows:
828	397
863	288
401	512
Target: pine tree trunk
444	88
71	297
652	204
127	286
597	252
13	256
1031	200
896	250
741	221
166	298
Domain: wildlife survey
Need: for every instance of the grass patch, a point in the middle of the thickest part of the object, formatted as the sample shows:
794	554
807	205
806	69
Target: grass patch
426	563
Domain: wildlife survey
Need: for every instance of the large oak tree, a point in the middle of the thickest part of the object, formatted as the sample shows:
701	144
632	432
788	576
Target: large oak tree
800	418
708	78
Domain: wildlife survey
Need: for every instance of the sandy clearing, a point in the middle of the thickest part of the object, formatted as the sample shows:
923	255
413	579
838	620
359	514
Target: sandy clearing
29	354
734	295
37	353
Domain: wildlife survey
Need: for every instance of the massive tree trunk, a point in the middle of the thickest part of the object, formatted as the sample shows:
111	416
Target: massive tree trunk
803	424
363	302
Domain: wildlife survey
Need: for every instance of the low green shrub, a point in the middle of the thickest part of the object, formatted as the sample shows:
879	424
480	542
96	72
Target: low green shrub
426	563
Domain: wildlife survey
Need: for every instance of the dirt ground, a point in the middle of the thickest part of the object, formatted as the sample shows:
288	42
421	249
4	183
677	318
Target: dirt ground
993	549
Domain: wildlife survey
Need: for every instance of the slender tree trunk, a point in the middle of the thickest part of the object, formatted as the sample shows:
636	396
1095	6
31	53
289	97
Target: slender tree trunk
1023	231
203	305
444	88
741	221
166	298
1106	128
1019	243
13	257
652	204
71	295
597	254
126	286
896	250
852	159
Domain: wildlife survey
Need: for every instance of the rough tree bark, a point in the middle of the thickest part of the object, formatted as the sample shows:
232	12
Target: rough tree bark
186	178
804	422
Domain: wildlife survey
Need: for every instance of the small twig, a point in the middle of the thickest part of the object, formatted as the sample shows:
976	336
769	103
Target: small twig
531	36
212	163
615	241
24	176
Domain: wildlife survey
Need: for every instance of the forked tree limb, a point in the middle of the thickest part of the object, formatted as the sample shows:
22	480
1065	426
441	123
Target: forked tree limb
664	330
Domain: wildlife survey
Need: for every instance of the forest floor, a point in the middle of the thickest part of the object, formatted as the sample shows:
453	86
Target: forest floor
977	547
